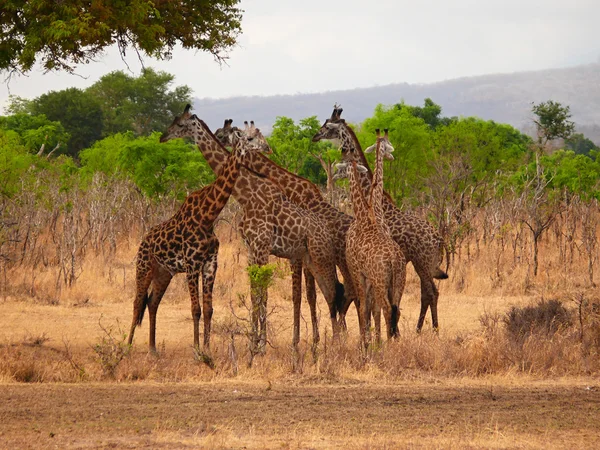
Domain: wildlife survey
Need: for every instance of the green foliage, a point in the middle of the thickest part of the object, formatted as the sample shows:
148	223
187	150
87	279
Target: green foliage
412	141
261	277
36	131
158	169
429	113
78	111
15	162
580	144
294	150
22	171
66	33
577	174
143	104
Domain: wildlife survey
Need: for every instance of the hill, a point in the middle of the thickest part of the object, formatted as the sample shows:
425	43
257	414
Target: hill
504	98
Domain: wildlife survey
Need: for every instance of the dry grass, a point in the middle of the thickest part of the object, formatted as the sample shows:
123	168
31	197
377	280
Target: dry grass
471	385
59	340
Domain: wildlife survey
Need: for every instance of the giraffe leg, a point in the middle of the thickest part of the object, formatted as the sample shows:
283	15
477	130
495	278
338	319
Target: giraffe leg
209	272
311	296
434	302
350	295
296	300
258	295
192	279
384	297
427	294
376	309
143	278
363	312
160	283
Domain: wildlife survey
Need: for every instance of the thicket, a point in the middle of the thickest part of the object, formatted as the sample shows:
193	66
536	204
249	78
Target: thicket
492	191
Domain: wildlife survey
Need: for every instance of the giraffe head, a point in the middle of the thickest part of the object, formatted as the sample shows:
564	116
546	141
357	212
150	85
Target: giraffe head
182	126
250	135
383	143
342	170
330	130
335	130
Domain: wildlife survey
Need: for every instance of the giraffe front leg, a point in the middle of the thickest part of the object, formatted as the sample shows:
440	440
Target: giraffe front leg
192	279
209	273
350	295
258	294
376	314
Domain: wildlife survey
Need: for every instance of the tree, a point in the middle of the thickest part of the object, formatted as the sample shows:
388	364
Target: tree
539	210
552	122
78	111
37	133
429	112
293	149
173	168
141	104
411	138
65	33
580	144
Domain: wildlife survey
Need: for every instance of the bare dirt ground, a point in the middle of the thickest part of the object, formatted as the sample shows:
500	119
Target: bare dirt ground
450	414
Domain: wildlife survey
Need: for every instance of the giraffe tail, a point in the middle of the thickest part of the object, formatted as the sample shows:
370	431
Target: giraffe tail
140	308
340	296
438	273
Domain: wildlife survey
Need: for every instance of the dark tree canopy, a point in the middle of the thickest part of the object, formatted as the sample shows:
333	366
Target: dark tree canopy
78	111
142	104
64	33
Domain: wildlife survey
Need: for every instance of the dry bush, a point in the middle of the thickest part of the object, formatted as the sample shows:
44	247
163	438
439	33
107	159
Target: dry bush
546	318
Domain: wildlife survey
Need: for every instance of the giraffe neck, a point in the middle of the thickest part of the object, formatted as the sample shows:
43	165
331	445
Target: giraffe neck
216	155
220	190
376	194
359	203
349	144
299	190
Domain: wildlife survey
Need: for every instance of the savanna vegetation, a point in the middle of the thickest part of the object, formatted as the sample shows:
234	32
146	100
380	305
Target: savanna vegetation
84	177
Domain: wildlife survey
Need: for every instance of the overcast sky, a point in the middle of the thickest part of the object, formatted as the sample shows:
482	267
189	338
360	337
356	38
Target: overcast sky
315	45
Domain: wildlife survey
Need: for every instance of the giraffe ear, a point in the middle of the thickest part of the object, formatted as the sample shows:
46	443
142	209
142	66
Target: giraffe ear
370	148
331	125
361	168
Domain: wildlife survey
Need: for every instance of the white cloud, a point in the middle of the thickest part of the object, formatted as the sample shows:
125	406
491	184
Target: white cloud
310	46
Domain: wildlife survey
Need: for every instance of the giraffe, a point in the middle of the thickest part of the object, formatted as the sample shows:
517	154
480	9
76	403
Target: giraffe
376	262
271	224
307	196
186	243
421	244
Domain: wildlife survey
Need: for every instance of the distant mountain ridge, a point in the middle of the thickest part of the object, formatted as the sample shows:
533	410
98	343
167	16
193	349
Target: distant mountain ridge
504	98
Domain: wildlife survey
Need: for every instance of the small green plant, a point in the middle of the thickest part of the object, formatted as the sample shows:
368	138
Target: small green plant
261	277
111	349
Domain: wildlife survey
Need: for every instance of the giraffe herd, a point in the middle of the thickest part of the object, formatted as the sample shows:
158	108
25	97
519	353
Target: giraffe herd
286	216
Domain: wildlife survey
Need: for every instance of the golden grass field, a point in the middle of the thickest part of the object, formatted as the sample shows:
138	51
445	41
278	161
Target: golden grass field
465	387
